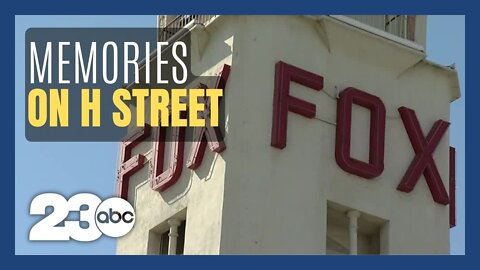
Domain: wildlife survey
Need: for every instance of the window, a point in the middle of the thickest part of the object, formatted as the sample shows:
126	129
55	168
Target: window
164	241
159	237
369	232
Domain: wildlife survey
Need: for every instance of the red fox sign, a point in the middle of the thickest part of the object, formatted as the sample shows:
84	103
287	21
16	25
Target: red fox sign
423	145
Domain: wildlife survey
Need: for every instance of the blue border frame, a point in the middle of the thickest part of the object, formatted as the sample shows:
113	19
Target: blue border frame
238	7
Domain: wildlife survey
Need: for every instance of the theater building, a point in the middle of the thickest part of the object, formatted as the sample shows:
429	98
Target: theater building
335	141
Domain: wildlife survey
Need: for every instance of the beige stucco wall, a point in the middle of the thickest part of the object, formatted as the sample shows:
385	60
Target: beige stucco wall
198	195
256	199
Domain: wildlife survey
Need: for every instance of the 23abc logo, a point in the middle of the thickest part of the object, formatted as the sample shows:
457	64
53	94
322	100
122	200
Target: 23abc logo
114	217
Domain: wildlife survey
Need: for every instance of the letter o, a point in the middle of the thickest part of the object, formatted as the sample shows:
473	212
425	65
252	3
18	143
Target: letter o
374	166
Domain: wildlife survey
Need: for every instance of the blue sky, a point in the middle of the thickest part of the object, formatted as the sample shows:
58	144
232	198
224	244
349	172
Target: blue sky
70	168
446	45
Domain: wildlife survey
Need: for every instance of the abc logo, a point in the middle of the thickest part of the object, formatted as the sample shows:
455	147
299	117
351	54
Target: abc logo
115	217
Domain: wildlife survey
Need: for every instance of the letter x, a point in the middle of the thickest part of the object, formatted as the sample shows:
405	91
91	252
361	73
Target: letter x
208	134
423	161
